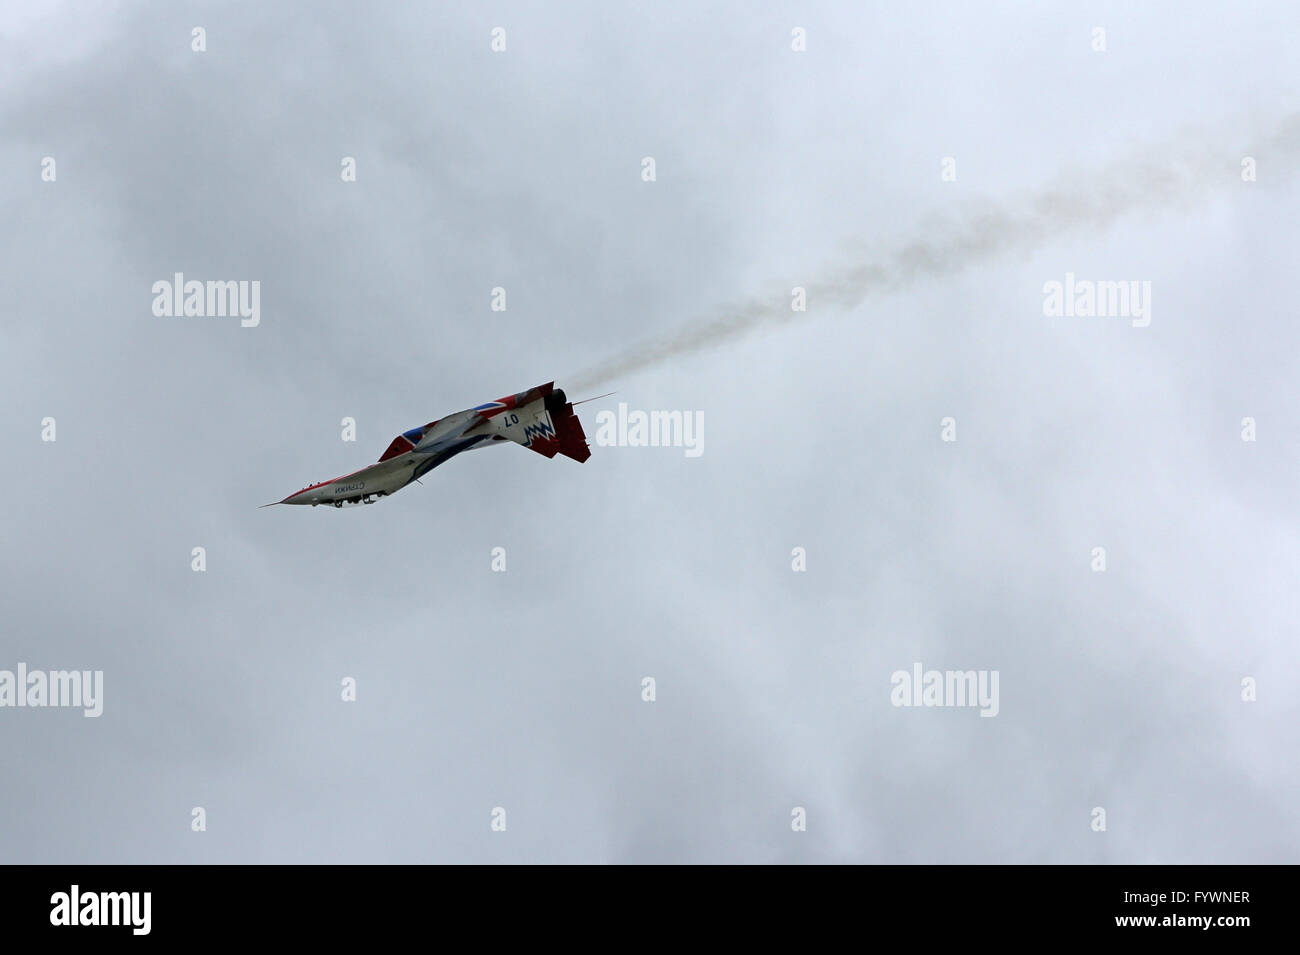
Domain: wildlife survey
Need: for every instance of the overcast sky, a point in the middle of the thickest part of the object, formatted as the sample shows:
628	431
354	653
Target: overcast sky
523	169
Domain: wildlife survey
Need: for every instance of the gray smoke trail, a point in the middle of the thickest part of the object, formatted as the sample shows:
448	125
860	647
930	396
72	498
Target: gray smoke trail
1177	173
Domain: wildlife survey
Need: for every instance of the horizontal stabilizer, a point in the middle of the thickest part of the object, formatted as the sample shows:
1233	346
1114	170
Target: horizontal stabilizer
573	441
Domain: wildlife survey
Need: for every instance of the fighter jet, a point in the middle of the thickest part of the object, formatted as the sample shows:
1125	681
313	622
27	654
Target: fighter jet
541	419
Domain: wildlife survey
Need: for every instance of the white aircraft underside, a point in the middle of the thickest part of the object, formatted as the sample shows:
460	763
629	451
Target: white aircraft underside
540	419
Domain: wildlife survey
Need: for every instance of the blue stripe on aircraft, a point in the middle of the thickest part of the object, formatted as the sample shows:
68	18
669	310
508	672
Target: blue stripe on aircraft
446	452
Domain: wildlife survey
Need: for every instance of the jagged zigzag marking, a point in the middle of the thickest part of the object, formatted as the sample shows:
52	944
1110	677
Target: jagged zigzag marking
541	429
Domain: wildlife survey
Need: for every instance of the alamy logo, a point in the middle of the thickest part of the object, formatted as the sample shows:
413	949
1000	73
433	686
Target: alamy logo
1085	298
194	299
83	688
102	908
923	687
655	429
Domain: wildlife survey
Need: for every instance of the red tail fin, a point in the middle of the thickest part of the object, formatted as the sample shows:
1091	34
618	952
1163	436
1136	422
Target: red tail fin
568	430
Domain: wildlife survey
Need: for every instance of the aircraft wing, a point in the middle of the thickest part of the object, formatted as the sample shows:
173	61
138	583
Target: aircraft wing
452	426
